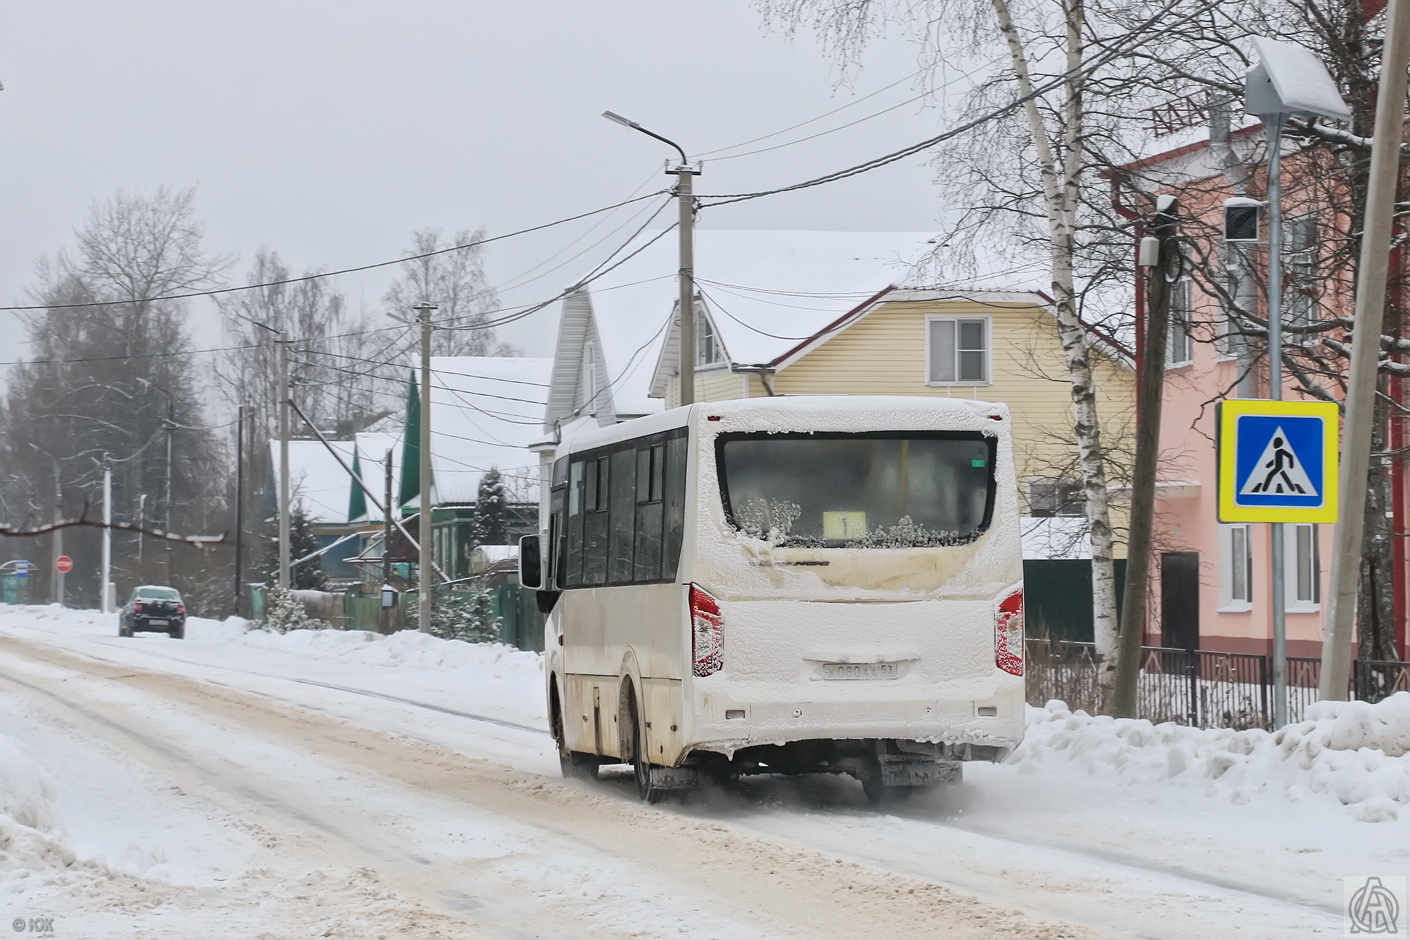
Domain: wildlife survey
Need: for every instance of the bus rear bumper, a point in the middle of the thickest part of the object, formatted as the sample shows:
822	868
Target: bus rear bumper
986	730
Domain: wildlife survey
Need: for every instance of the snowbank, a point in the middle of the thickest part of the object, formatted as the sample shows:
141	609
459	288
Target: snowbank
26	792
1353	752
28	820
405	649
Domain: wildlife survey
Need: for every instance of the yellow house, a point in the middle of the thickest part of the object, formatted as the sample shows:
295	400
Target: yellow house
808	313
992	345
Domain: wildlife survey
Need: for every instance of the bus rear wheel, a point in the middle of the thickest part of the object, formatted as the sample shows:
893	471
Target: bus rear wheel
645	773
574	764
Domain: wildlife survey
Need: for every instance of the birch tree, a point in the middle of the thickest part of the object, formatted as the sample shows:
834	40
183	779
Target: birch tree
1042	44
337	356
449	273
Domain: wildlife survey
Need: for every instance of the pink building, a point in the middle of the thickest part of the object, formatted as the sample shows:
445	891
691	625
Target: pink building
1214	580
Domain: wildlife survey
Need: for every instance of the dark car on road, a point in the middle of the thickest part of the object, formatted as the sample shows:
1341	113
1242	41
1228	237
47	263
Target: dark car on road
154	608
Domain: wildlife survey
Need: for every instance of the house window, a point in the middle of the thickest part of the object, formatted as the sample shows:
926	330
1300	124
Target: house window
590	376
1180	347
1300	265
1302	567
707	345
1235	567
957	350
1047	498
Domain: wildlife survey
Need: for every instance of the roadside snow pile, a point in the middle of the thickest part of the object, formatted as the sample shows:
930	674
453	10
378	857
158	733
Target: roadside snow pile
27	817
1356	753
408	648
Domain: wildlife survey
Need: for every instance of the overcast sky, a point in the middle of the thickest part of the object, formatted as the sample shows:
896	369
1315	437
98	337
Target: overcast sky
329	131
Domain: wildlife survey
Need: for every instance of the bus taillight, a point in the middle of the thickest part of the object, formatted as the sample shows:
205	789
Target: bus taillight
1008	634
707	635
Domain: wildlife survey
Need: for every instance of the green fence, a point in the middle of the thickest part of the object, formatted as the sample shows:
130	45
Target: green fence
520	623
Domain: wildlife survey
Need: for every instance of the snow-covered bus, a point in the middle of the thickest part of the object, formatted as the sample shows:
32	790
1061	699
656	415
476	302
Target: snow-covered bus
785	585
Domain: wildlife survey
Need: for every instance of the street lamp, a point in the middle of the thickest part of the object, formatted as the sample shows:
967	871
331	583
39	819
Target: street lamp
683	173
169	423
1288	80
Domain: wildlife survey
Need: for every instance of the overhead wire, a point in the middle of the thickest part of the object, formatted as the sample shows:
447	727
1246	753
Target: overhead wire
217	291
861	120
1137	37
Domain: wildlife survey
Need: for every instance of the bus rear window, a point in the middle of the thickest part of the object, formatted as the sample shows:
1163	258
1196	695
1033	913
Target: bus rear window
874	490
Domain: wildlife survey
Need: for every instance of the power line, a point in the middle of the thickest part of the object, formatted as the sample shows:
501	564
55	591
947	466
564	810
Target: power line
1138	37
521	313
861	120
326	274
826	114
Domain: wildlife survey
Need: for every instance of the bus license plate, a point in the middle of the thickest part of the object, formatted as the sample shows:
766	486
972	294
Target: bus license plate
156	623
861	670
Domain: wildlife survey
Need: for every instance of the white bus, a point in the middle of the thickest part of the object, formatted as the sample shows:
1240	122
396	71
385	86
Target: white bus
785	585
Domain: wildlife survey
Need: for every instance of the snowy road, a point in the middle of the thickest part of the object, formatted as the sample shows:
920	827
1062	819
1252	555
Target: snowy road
246	785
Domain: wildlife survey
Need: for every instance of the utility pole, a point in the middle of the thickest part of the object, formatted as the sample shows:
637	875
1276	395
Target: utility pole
239	498
427	561
1161	254
685	192
283	342
386	613
1365	353
683	173
166	522
58	541
106	603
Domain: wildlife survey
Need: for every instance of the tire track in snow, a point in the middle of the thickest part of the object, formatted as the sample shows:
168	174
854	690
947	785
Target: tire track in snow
1110	857
469	716
704	879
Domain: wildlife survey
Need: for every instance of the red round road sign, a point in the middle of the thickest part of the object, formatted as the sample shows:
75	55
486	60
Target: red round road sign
64	564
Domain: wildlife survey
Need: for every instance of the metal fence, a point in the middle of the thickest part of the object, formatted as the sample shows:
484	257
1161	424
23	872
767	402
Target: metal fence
1373	680
1203	688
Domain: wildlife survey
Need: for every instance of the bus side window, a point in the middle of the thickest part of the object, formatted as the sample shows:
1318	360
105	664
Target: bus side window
674	498
571	572
650	469
623	514
557	544
595	518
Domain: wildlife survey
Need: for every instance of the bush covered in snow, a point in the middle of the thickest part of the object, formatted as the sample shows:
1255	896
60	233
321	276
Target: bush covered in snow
461	613
284	611
1354	752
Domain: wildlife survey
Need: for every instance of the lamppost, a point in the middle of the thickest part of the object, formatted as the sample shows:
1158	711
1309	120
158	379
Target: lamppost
169	423
1289	80
683	173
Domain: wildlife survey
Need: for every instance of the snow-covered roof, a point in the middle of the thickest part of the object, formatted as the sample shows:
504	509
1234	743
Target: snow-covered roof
316	478
767	291
372	447
630	312
764	291
487	557
485	412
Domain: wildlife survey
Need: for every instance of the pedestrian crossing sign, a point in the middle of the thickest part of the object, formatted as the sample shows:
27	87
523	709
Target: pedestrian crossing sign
1277	461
